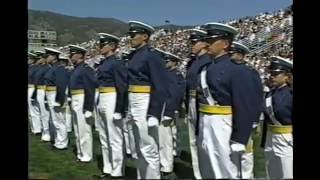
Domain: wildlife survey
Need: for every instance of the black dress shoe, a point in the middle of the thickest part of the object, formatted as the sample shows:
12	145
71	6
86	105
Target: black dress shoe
38	134
83	162
165	174
128	156
102	176
57	149
117	177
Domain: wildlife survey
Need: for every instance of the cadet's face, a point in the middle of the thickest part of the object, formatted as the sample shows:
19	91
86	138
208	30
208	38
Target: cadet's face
106	49
279	79
137	39
237	56
196	48
30	61
76	58
51	58
218	47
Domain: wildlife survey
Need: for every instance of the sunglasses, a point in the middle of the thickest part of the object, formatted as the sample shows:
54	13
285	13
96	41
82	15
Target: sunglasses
104	44
132	34
212	40
193	42
276	73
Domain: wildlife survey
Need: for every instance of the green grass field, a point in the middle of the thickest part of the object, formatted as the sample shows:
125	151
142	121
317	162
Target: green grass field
62	165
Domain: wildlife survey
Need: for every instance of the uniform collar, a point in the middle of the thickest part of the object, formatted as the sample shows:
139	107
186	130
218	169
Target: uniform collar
56	63
77	65
110	57
143	47
280	89
221	58
202	55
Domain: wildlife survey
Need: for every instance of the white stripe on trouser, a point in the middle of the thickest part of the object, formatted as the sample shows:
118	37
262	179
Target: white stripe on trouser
113	129
279	156
214	147
165	148
132	144
148	162
192	118
105	145
68	117
59	122
44	115
174	138
84	133
247	163
126	134
96	112
34	113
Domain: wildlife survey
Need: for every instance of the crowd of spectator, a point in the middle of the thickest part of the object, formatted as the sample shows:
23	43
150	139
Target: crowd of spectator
266	34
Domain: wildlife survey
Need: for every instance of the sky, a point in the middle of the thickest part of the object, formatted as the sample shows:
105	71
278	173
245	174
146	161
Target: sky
155	12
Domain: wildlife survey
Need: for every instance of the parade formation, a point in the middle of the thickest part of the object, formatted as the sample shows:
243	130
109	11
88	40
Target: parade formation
134	101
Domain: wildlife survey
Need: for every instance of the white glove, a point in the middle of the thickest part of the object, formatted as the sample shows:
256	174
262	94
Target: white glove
69	99
255	125
166	121
153	121
237	147
117	116
87	114
56	104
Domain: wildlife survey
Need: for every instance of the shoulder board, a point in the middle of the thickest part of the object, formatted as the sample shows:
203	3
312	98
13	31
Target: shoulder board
151	49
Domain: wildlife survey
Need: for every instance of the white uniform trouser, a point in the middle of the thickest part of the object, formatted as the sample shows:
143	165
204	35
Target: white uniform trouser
112	148
174	138
279	156
192	137
126	134
247	161
145	138
59	122
105	145
34	113
214	147
68	117
44	115
82	129
96	113
166	148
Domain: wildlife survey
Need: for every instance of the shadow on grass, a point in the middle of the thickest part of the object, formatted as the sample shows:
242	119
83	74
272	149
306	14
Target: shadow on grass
100	161
131	172
185	156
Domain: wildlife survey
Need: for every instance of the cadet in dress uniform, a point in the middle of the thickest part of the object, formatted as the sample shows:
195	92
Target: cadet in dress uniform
229	104
41	86
147	95
57	82
176	89
201	58
238	52
35	122
279	142
112	78
82	88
